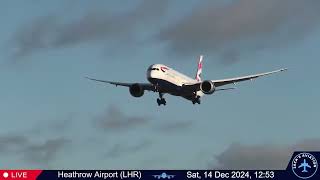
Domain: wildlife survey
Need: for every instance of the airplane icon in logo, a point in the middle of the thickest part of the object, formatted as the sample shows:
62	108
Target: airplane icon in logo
163	176
304	165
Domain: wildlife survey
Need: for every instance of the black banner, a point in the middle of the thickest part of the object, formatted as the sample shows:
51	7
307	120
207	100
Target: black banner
302	165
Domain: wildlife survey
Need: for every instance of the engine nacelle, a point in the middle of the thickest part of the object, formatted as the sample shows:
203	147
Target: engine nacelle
136	90
207	87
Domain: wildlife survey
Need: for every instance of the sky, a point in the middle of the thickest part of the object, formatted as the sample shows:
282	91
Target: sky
54	118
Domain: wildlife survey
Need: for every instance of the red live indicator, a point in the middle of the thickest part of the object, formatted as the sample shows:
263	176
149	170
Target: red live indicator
19	174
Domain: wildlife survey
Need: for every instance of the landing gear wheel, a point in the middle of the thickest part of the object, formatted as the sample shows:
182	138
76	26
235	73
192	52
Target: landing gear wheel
197	100
161	101
164	101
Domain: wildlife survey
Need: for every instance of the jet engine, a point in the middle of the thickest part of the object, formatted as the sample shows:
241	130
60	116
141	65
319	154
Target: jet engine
136	90
207	87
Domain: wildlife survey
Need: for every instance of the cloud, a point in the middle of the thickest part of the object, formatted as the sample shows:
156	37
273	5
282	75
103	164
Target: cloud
39	145
44	153
115	120
33	36
237	28
52	31
47	142
121	149
29	151
10	144
263	156
52	126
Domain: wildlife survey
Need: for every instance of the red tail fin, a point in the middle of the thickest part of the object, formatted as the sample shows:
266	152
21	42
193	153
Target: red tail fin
199	71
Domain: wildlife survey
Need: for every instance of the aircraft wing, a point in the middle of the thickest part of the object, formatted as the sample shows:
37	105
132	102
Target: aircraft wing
145	86
222	82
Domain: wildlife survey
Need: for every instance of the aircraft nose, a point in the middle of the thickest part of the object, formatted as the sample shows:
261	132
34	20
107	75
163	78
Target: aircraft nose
148	74
151	75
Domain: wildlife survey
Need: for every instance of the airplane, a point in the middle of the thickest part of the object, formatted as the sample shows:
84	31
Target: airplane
304	165
163	176
165	80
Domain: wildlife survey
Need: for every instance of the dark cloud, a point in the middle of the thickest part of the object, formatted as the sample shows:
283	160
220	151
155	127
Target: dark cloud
39	145
263	156
38	153
52	126
33	36
115	120
44	153
120	149
12	143
237	28
53	32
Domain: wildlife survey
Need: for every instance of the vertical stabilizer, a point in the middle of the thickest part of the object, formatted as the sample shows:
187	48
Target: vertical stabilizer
199	70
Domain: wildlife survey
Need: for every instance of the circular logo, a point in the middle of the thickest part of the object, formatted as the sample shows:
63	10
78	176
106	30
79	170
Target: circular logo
304	165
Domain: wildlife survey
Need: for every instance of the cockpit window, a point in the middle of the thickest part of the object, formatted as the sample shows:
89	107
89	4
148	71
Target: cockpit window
153	68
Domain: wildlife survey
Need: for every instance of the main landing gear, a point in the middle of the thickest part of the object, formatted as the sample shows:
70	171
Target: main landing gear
161	100
196	100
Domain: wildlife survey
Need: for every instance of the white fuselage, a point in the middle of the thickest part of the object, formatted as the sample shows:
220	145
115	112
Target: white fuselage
167	80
